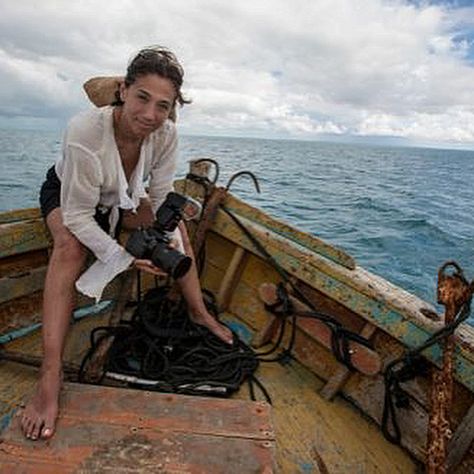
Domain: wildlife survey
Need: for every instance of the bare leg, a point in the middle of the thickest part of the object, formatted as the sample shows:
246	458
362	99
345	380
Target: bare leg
191	289
65	264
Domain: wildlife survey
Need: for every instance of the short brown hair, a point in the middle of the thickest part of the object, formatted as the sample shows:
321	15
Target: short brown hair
156	60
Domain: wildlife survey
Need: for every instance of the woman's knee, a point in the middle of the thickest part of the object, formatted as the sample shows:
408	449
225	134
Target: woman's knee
68	248
65	245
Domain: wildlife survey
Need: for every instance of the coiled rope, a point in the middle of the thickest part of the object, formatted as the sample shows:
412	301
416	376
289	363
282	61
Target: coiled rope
164	349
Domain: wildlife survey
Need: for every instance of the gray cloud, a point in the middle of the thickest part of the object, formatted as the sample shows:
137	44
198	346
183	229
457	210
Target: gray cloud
271	68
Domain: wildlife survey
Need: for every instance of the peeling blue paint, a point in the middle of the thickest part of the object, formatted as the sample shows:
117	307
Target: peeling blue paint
395	324
5	420
91	310
306	467
241	330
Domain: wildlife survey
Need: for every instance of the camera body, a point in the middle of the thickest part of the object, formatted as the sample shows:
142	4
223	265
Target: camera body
153	243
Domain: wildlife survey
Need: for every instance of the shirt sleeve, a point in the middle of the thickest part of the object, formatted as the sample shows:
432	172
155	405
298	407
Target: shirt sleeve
80	192
163	169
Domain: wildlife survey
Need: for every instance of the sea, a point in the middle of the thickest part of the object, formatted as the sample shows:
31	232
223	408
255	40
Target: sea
400	212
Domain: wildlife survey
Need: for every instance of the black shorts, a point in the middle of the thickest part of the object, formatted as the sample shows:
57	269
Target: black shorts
50	193
50	199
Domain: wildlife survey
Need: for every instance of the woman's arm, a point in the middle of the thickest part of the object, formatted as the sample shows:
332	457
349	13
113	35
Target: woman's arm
81	181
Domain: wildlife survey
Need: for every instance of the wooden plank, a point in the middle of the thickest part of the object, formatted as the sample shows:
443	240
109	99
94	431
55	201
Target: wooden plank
231	278
22	284
337	381
267	333
23	236
34	361
78	313
17	264
207	218
20	215
358	291
24	311
126	430
20	312
461	440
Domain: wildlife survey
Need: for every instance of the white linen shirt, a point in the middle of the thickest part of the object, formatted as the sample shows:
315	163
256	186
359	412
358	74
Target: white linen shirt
92	175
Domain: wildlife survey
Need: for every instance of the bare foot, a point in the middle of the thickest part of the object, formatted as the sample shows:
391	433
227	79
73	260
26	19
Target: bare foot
39	416
211	323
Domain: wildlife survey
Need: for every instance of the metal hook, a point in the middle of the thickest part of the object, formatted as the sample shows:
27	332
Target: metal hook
458	270
240	173
216	166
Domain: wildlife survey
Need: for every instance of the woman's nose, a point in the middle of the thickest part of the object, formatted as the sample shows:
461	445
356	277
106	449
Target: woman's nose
149	112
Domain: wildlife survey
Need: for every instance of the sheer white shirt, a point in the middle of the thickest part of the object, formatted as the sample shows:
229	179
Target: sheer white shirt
91	174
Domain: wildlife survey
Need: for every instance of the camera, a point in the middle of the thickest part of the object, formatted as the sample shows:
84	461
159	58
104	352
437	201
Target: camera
153	243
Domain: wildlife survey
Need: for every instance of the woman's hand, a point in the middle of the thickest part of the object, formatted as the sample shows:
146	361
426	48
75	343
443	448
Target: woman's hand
143	217
148	267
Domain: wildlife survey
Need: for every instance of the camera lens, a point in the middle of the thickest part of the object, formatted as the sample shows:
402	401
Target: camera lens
181	267
173	262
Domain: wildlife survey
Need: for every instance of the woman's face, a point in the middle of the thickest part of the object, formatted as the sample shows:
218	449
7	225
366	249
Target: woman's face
147	104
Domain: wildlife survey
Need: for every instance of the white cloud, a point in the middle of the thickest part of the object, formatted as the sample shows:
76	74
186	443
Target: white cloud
275	68
454	125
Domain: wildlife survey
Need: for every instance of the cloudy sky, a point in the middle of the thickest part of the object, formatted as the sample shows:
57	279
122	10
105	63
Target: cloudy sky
386	70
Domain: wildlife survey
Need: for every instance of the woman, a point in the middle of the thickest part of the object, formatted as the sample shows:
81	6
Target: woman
107	153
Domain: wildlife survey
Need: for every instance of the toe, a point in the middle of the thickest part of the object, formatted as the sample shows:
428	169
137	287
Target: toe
36	429
49	426
27	427
226	334
229	338
47	432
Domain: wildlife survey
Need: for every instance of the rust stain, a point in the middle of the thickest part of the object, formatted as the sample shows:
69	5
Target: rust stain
454	291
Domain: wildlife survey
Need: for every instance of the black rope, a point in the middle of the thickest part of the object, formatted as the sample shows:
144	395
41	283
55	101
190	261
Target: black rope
161	344
406	368
340	336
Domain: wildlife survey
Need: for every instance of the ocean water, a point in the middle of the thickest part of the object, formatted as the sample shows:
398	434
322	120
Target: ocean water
400	212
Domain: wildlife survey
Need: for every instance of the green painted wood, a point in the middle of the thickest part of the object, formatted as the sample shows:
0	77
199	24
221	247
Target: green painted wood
338	285
23	236
276	226
20	215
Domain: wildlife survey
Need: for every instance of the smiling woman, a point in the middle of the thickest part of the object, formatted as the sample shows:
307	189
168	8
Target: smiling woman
96	186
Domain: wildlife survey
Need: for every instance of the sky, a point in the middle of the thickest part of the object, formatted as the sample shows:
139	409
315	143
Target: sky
389	71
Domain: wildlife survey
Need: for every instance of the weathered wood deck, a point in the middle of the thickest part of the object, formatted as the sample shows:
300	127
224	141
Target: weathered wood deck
307	428
104	429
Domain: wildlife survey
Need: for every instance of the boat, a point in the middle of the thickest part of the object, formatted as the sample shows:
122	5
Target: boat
343	398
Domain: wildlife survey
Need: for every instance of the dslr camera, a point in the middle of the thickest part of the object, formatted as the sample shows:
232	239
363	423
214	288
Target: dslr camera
153	243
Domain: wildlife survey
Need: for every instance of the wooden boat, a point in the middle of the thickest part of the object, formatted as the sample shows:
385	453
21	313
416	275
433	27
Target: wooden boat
325	416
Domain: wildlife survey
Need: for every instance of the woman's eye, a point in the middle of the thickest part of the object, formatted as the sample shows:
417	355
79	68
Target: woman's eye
143	98
164	107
